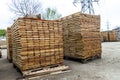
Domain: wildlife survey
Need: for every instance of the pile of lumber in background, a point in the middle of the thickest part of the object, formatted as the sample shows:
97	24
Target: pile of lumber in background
3	44
37	43
81	36
118	35
9	44
104	36
109	36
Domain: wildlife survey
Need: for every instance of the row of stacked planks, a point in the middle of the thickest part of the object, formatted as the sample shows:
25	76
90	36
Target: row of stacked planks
9	44
38	43
109	36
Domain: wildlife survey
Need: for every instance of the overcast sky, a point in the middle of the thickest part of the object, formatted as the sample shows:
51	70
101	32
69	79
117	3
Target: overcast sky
108	9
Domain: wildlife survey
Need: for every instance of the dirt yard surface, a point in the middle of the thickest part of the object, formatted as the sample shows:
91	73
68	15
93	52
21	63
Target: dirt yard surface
107	68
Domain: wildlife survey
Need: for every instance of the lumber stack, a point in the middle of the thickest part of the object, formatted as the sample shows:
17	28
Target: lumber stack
2	43
113	36
9	44
37	43
81	36
118	35
109	36
104	35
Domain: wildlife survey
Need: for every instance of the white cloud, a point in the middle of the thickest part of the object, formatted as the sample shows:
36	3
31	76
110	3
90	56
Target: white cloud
5	15
64	6
110	11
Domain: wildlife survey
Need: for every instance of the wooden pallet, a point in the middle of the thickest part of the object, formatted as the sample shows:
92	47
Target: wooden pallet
83	60
91	58
40	72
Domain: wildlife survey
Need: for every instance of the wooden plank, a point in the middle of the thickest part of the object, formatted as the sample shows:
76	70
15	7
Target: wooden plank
42	72
47	70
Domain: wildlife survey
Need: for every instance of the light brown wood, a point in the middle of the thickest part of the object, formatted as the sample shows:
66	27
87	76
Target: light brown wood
36	43
109	36
9	44
81	35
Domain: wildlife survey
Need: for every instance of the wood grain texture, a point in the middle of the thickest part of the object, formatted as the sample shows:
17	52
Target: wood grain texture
37	43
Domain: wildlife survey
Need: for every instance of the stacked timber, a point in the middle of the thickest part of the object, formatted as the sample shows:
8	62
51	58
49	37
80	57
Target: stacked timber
105	35
81	36
109	36
9	44
113	36
118	35
36	43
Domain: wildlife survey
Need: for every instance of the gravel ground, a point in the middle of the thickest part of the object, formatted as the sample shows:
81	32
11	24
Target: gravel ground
107	68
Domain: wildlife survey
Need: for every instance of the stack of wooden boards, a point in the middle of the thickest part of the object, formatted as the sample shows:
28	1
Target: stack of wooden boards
2	44
9	44
37	43
81	36
109	36
104	36
118	35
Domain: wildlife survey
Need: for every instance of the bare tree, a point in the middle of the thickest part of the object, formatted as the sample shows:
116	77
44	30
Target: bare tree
51	14
25	7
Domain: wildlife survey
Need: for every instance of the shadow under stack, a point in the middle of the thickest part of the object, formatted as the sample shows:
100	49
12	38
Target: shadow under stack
37	43
81	36
9	44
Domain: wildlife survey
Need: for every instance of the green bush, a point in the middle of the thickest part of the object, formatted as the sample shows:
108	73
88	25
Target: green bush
2	32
